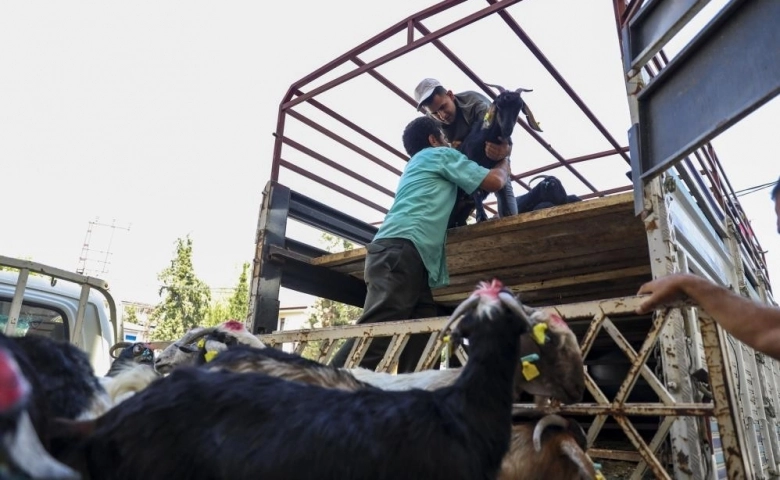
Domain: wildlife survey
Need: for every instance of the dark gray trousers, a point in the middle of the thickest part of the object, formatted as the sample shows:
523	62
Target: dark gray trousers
398	289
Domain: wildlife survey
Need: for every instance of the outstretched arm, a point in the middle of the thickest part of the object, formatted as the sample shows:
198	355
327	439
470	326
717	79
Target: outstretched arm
496	178
754	324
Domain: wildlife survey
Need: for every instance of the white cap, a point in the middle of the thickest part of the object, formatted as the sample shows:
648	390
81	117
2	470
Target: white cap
424	90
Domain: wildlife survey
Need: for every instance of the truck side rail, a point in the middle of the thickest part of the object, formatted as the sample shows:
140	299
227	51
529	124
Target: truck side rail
605	323
87	283
285	262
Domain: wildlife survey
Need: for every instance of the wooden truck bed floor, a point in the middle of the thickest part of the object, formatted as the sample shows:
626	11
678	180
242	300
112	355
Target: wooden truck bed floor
589	250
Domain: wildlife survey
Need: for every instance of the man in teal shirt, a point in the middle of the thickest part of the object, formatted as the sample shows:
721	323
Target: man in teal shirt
406	258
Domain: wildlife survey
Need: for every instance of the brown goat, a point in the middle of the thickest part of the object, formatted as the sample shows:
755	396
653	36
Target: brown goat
560	363
552	448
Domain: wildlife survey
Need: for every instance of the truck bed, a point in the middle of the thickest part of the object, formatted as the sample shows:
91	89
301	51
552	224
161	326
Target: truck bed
589	250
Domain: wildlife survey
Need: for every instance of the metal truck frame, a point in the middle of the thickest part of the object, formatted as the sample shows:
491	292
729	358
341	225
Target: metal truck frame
692	402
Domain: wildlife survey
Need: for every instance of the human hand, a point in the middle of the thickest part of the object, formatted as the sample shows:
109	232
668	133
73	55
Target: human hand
662	290
497	151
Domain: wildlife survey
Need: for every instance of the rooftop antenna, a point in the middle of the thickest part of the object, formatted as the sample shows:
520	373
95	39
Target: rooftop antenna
92	261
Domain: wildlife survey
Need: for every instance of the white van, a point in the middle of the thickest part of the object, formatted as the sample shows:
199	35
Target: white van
48	301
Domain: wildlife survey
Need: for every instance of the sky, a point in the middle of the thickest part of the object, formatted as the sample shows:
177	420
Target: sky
156	118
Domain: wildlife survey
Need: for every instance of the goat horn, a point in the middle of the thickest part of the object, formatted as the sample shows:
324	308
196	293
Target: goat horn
467	304
516	307
547	421
497	87
118	346
524	90
530	117
201	333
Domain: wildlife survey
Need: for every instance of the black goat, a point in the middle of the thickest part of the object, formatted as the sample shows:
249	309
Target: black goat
67	379
248	425
498	125
131	354
25	419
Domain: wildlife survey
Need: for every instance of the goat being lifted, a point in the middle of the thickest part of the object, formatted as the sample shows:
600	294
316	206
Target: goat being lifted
498	125
255	426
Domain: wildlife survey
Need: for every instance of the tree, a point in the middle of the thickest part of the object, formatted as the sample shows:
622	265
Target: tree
130	316
186	298
326	312
238	304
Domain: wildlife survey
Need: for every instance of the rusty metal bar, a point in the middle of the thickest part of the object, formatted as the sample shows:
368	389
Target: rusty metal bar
325	349
572	160
277	155
602	401
502	4
336	166
430	353
732	436
658	470
377	39
659	320
619	455
559	78
358	129
644	370
591	333
358	351
608	191
638	409
655	443
387	83
303	119
294	168
394	350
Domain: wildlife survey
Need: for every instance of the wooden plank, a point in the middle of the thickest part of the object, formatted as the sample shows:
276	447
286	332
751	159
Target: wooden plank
567	215
562	213
641	270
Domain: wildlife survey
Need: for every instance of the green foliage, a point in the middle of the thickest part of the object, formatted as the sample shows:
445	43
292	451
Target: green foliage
236	307
129	315
329	313
238	304
186	298
217	313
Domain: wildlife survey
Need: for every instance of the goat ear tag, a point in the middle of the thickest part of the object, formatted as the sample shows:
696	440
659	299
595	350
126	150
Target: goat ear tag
530	371
210	355
201	343
538	333
488	119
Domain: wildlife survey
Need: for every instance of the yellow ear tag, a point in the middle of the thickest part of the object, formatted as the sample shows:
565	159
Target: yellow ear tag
530	371
446	339
488	118
599	475
538	333
210	355
201	343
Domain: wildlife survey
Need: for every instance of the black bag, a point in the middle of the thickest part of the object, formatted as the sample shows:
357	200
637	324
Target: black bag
545	194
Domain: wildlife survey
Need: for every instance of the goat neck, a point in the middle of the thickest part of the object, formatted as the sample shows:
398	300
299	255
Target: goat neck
493	323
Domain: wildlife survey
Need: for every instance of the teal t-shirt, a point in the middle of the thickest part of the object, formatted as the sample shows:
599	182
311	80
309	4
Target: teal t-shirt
424	200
